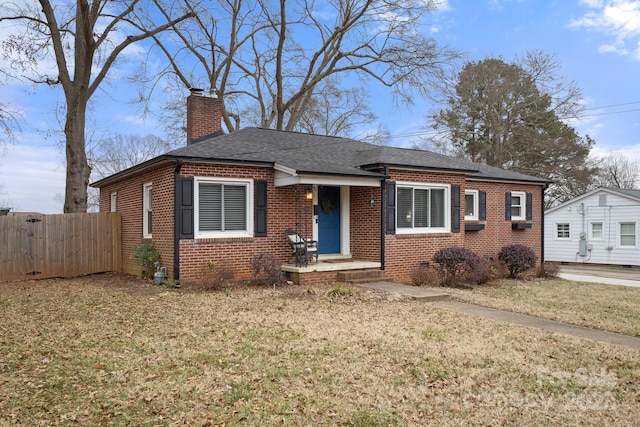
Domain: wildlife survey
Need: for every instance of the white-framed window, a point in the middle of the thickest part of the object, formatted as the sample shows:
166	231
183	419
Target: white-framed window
596	232
518	205
224	207
422	208
114	202
471	204
628	234
147	223
563	230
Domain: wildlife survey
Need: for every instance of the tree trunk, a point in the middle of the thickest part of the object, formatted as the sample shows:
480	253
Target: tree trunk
78	169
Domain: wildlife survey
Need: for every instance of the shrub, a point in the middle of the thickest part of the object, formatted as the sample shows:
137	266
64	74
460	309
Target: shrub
492	269
425	276
146	256
518	259
217	275
267	270
457	265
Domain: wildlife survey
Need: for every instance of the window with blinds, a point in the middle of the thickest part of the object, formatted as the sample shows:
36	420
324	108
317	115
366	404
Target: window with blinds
422	208
223	208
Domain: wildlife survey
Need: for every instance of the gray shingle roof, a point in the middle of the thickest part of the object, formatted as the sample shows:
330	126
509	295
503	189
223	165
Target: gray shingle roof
316	154
301	152
631	193
490	172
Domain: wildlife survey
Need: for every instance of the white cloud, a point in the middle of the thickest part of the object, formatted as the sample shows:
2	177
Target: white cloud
631	152
31	177
611	48
618	19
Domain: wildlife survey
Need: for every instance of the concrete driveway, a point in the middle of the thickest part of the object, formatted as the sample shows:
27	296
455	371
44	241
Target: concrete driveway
598	273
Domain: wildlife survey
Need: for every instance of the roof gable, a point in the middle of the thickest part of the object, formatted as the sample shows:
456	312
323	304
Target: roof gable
633	195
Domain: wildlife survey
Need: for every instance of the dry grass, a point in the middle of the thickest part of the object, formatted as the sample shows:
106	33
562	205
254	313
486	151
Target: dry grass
606	307
110	350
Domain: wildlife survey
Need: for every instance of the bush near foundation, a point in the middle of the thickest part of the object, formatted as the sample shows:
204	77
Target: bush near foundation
146	256
425	276
458	265
492	269
267	270
518	259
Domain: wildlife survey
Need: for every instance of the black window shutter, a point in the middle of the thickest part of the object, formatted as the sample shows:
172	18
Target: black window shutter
482	215
529	206
260	209
455	208
507	206
185	208
391	208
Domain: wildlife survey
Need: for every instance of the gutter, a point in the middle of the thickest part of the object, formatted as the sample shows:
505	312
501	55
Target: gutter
176	225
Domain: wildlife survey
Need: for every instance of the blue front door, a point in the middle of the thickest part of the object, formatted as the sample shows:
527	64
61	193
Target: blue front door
328	220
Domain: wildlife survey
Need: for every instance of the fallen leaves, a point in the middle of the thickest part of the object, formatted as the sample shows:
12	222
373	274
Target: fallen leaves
87	353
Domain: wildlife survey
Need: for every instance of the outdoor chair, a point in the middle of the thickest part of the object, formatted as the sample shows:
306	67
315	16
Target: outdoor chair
301	248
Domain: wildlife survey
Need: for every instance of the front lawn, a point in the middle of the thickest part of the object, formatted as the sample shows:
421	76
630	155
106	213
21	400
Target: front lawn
607	307
112	350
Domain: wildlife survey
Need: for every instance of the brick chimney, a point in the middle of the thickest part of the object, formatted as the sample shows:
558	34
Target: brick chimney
204	115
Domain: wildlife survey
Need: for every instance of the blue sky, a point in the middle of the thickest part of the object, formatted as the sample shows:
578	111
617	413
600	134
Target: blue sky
597	43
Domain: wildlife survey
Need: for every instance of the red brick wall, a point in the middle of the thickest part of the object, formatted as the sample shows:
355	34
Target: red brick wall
405	252
237	253
129	204
203	116
498	232
365	223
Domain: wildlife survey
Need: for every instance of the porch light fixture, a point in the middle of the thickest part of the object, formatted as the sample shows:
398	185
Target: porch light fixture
372	202
309	195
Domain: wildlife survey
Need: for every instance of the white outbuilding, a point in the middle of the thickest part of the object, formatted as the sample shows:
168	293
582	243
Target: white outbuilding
599	227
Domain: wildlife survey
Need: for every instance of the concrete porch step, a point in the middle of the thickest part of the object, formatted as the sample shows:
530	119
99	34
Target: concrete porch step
414	292
361	276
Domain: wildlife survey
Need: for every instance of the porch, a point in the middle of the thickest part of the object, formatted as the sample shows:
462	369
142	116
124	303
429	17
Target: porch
331	268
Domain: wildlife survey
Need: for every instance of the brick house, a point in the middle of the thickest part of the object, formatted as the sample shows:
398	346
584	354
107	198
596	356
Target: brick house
229	197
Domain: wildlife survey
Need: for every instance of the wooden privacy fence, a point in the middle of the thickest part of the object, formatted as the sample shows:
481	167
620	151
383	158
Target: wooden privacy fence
66	245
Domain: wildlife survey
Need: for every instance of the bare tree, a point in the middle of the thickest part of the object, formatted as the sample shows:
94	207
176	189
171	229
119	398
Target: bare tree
9	123
618	171
278	59
118	152
84	38
9	117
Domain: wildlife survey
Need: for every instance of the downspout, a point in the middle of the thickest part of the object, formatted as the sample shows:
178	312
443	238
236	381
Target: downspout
383	216
176	224
546	185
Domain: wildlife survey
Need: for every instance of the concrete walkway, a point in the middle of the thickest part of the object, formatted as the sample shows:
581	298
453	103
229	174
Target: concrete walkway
607	274
439	299
544	324
413	292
